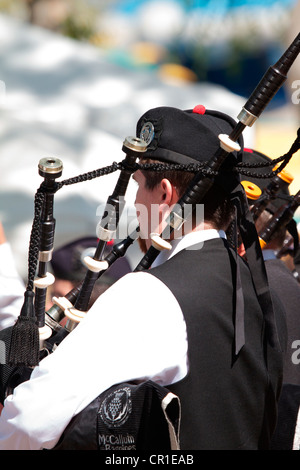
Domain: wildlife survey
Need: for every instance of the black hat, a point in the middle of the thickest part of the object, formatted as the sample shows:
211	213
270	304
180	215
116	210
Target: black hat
67	261
183	137
285	178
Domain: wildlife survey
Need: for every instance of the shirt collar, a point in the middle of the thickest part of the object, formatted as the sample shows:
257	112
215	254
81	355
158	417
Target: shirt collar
193	241
268	254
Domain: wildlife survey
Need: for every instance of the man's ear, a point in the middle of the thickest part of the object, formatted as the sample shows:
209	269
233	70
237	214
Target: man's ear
168	192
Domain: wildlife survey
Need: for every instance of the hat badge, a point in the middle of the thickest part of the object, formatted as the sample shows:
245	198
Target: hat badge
147	132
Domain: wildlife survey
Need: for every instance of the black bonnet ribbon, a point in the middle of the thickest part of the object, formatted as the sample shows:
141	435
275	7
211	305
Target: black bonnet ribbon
239	296
248	233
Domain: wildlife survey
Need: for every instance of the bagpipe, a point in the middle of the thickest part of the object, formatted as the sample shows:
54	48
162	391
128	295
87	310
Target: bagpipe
261	199
281	218
37	332
291	247
280	206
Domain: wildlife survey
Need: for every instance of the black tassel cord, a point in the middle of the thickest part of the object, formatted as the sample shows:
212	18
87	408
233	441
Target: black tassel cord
24	344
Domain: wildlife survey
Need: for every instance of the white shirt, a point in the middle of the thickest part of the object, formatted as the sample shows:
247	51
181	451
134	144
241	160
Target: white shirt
269	254
124	336
11	288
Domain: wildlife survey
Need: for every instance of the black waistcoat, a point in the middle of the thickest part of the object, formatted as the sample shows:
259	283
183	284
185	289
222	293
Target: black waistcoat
228	402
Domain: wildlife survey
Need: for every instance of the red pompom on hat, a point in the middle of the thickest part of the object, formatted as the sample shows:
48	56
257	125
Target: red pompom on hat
199	109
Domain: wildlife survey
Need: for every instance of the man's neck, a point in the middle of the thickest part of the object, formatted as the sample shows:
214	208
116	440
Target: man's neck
193	241
204	226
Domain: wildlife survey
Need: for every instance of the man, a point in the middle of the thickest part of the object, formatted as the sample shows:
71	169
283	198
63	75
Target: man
280	277
282	281
176	324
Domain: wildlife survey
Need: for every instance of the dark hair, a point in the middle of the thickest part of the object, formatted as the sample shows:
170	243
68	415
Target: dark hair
218	209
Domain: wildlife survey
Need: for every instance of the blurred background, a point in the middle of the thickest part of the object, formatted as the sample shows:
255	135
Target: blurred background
76	75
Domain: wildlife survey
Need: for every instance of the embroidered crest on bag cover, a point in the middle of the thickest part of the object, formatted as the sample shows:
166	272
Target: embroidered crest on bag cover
116	407
138	417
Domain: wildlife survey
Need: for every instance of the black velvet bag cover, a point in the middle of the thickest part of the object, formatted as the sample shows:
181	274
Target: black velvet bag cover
126	417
